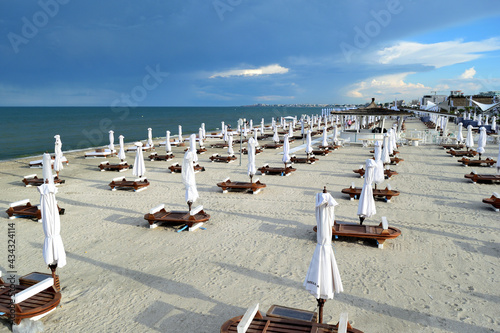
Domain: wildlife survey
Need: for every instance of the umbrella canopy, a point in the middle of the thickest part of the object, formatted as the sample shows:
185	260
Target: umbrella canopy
139	168
366	207
188	178
469	139
192	146
121	153
309	148
481	142
111	141
58	166
150	137
379	171
385	150
276	138
286	150
230	150
47	168
180	134
200	136
325	137
251	168
460	137
323	277
53	248
168	146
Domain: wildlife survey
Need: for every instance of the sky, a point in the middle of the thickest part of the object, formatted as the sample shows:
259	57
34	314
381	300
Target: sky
244	52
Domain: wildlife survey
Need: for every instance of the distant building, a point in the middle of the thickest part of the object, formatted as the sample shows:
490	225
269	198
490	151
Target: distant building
489	93
455	93
436	99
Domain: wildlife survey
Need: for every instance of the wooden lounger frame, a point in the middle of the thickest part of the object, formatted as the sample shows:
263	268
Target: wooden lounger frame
387	193
486	162
494	200
138	184
388	173
272	146
24	208
120	167
466	153
33	180
482	178
311	160
244	151
177	168
267	170
322	152
254	187
158	214
220	158
155	157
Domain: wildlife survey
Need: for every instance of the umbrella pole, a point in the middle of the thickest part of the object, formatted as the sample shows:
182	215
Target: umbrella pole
361	219
53	268
189	205
251	176
321	303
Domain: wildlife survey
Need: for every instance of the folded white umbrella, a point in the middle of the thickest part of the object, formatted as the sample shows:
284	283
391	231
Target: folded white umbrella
469	139
168	146
379	171
460	137
180	134
111	141
323	276
481	142
335	133
121	153
390	145
250	125
385	150
200	136
290	131
139	168
58	165
192	146
276	138
309	148
203	129
262	128
150	137
53	247
230	150
223	130
245	130
302	127
256	134
286	150
366	206
486	117
47	169
325	137
188	178
251	168
225	136
494	123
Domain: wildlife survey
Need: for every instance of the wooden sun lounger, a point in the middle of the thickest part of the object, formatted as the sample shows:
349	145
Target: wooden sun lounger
31	302
483	178
137	184
177	168
199	151
290	140
33	180
219	145
220	158
122	166
254	187
39	163
387	193
494	200
487	162
381	232
254	322
101	153
159	214
257	151
155	157
396	160
23	208
332	147
272	146
322	152
311	160
144	148
453	146
387	173
267	170
468	153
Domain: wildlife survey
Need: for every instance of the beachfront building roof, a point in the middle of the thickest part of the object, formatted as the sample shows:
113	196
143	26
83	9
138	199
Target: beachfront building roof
371	109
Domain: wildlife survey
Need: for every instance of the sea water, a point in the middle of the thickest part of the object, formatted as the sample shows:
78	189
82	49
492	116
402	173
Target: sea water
29	131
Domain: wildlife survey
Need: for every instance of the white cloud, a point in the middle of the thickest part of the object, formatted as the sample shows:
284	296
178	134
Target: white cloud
264	70
436	54
385	87
468	74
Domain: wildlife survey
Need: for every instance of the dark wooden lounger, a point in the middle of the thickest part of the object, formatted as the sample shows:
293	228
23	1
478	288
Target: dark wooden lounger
355	192
453	146
332	147
272	146
257	151
33	180
253	187
219	145
487	162
177	168
387	173
137	184
36	305
156	157
160	215
381	233
101	153
322	152
494	200
305	160
267	170
396	160
199	151
220	158
122	166
290	140
468	153
26	209
483	178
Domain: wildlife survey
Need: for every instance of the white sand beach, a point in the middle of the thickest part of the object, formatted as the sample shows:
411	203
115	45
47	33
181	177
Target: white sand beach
439	276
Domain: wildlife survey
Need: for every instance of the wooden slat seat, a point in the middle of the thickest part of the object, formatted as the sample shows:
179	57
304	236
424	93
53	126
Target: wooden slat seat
160	215
487	162
483	178
267	170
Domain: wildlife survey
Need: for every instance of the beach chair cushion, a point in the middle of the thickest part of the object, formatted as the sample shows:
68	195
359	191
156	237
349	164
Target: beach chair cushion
156	209
33	290
20	203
